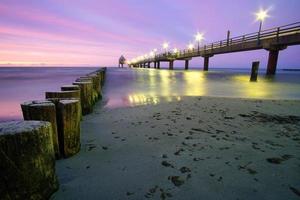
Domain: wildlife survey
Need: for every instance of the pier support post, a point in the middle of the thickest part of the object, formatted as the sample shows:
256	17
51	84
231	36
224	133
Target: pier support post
148	64
158	65
186	66
171	64
206	63
27	160
154	65
272	62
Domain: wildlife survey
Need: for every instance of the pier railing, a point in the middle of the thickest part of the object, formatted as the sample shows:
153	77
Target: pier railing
271	33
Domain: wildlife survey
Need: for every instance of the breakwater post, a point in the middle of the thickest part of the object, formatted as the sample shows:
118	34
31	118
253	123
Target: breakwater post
68	119
27	160
86	91
43	111
28	148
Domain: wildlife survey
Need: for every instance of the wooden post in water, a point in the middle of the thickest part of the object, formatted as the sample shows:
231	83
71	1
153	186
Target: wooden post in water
186	67
254	71
171	64
206	63
27	160
43	111
158	64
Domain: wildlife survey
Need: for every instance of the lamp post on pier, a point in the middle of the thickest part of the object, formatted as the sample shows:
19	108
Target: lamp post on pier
261	15
199	37
190	46
165	46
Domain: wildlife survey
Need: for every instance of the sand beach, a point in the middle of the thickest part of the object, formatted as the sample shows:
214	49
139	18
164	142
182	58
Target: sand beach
194	148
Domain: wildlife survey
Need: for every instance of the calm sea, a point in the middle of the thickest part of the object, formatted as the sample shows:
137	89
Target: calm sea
131	87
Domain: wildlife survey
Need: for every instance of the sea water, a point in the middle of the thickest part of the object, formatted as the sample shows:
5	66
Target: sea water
131	87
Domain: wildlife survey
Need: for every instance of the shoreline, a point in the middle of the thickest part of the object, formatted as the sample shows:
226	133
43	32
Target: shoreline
198	147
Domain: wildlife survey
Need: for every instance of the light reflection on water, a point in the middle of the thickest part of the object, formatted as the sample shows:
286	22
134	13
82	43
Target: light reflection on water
131	87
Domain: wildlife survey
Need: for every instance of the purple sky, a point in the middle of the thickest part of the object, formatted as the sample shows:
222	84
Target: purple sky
97	32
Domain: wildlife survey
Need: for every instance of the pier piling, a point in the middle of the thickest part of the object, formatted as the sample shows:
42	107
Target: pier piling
272	62
171	64
186	66
206	63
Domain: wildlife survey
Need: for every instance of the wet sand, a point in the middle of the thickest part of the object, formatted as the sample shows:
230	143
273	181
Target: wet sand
196	148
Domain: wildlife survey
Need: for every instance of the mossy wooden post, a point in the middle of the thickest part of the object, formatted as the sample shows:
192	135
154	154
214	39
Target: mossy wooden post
94	92
86	89
27	162
42	111
69	87
101	80
96	84
102	74
63	94
68	123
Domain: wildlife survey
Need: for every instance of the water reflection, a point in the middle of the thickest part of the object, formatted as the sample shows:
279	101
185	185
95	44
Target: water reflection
260	89
195	83
141	99
130	87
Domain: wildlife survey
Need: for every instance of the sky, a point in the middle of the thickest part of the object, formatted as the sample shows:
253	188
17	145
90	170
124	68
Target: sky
97	32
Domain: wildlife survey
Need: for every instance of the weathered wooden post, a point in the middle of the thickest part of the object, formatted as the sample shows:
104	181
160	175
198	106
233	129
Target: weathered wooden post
206	63
94	94
69	87
27	162
68	125
86	89
102	74
96	84
43	111
186	66
254	71
96	80
63	94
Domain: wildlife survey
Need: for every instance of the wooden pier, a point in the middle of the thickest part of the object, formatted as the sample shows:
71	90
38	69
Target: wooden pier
272	40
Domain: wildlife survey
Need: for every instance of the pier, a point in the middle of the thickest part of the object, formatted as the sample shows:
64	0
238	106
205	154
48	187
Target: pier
273	40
